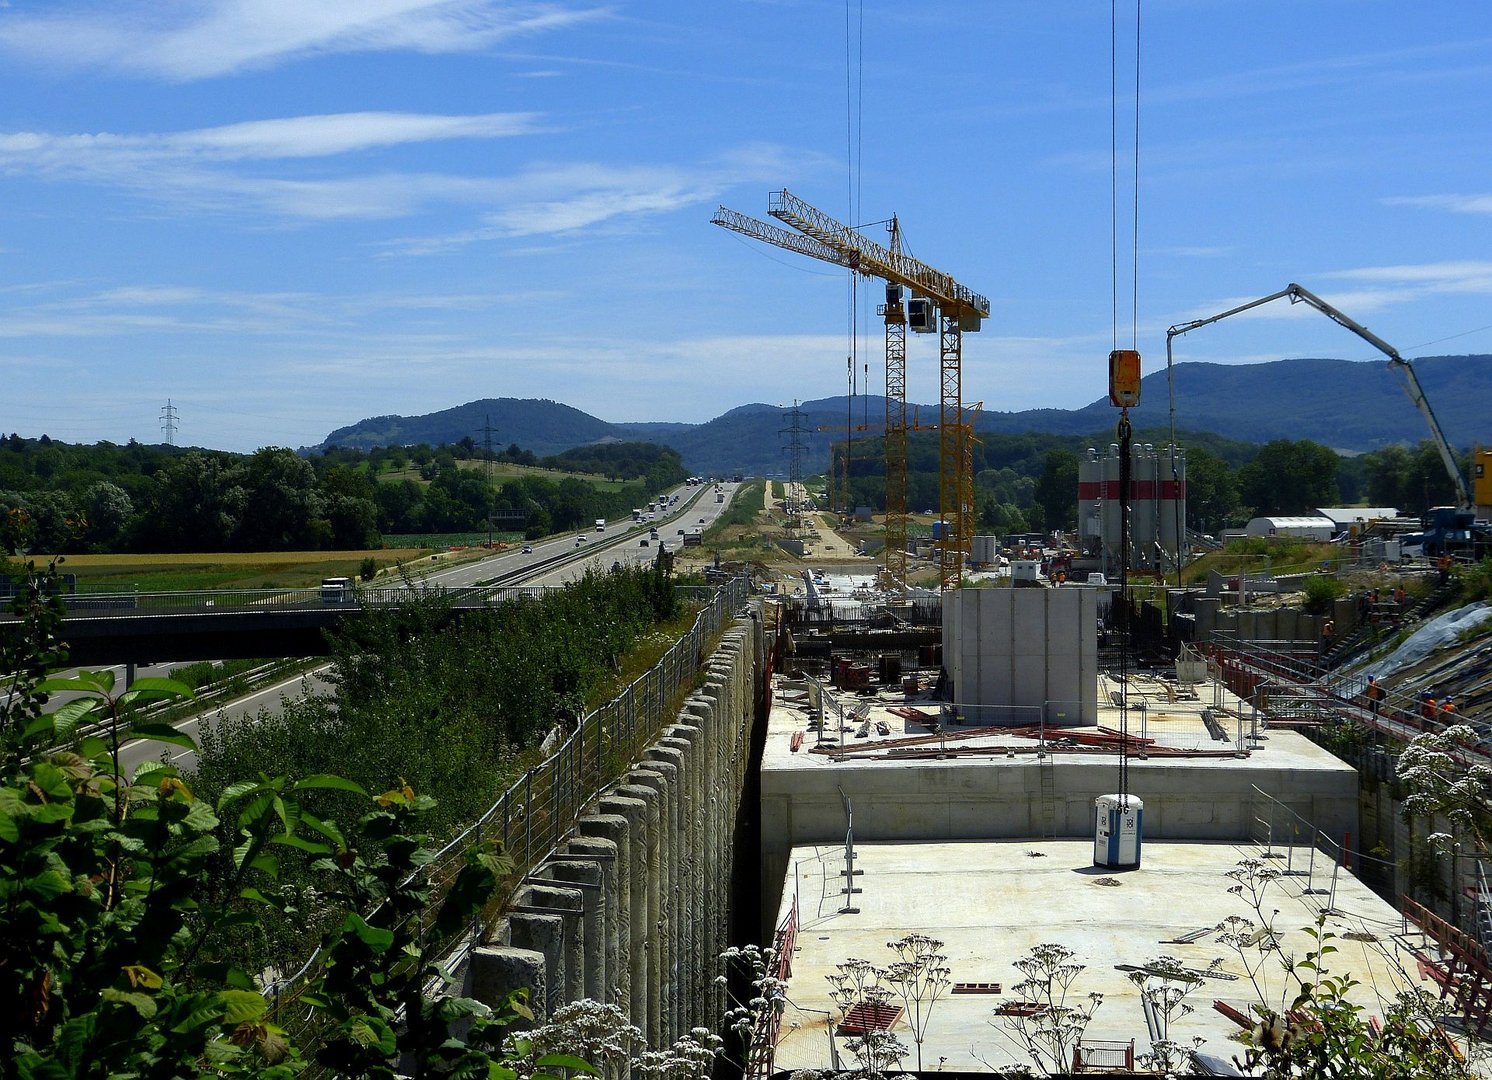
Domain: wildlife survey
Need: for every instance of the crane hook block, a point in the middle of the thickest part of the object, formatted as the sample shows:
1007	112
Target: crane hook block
1124	378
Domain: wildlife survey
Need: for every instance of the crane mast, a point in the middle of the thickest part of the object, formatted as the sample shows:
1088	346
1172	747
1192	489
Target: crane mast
959	309
1400	366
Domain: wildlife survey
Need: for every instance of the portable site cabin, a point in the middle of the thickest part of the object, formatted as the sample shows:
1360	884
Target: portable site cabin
1300	528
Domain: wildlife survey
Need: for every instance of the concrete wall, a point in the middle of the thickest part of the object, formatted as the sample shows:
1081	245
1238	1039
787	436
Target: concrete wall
957	800
633	908
1011	651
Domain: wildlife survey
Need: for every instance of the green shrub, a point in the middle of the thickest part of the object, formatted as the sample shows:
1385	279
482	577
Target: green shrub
1320	591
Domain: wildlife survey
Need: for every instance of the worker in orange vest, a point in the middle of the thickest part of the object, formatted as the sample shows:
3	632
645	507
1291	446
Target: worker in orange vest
1427	706
1447	711
1375	694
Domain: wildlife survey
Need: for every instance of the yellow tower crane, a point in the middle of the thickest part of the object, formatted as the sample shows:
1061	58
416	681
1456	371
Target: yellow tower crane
938	304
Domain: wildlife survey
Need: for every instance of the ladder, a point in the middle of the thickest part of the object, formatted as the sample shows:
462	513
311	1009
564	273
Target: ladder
1048	798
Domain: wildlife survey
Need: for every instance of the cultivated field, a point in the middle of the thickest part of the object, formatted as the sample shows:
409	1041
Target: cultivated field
504	470
226	570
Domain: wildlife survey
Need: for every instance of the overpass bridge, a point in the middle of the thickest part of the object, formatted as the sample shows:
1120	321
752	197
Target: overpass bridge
140	628
132	627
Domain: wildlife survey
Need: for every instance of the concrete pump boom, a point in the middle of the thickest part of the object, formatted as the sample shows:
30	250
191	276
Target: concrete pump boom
1396	363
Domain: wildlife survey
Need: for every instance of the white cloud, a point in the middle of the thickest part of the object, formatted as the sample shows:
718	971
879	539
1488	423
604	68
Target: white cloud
102	153
1456	204
181	41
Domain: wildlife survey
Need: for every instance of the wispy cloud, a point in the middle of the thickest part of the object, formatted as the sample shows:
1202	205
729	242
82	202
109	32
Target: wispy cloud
180	41
105	153
221	168
1456	204
57	310
559	200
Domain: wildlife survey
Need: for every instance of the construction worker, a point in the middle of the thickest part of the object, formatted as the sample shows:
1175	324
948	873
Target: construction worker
1447	711
1375	694
1443	565
1328	632
1427	706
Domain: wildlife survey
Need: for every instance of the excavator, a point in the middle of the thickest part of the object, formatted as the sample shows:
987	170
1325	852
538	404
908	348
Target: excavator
1448	529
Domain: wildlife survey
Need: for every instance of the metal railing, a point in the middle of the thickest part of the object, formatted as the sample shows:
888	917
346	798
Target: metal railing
768	1020
198	601
1291	843
531	818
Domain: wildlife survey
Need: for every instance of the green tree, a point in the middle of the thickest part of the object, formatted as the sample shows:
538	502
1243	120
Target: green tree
108	508
1057	490
196	504
1211	490
1387	474
282	507
1288	477
106	906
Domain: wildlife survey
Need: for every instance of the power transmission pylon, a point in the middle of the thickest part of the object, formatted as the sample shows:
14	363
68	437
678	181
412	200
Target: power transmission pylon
168	422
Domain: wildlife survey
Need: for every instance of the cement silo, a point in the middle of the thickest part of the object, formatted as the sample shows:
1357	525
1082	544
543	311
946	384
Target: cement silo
1090	503
1172	505
1142	504
1109	514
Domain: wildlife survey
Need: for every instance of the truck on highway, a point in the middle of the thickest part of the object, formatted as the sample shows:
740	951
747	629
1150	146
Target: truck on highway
600	524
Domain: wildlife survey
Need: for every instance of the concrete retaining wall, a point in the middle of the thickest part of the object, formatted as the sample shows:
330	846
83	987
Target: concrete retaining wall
959	800
633	908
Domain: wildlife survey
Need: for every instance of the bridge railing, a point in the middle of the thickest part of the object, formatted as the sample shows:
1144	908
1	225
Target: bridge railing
536	813
130	602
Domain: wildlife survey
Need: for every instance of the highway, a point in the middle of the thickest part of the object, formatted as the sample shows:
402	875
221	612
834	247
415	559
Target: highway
620	542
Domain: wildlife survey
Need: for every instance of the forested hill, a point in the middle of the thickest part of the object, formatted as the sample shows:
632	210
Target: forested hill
539	425
1348	405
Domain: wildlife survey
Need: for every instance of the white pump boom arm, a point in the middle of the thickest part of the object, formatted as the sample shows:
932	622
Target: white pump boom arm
1396	363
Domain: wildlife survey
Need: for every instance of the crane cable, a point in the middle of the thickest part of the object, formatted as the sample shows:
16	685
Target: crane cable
1124	430
854	93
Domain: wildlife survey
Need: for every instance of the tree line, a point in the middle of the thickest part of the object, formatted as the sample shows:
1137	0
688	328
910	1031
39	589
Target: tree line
1029	482
70	498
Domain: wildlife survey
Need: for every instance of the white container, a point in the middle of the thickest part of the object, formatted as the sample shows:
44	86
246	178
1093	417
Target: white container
1116	839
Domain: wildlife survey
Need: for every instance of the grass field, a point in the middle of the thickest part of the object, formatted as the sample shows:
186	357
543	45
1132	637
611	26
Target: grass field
449	540
227	570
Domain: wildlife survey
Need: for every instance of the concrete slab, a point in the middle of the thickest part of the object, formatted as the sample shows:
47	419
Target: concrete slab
972	783
991	902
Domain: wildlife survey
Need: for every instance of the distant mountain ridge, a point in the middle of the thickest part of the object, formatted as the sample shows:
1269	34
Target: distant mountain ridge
1349	405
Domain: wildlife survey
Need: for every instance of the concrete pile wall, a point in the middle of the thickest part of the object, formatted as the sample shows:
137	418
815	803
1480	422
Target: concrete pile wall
633	908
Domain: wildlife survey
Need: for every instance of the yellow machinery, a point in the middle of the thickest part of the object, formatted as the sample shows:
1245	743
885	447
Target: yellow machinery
1481	482
938	304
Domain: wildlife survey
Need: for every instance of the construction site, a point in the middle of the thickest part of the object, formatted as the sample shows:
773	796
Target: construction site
1072	764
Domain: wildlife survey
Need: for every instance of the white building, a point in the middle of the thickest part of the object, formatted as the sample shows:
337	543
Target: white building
1302	528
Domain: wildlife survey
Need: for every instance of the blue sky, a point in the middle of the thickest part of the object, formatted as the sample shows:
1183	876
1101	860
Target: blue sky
286	216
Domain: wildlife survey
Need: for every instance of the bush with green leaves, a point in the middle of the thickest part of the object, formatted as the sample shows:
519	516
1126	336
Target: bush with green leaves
1321	590
105	907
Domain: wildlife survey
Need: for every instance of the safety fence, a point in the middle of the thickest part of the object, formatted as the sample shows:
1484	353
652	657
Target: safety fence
1295	848
531	818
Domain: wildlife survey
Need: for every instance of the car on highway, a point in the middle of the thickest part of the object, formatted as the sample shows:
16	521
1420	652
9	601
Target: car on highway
527	550
581	539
